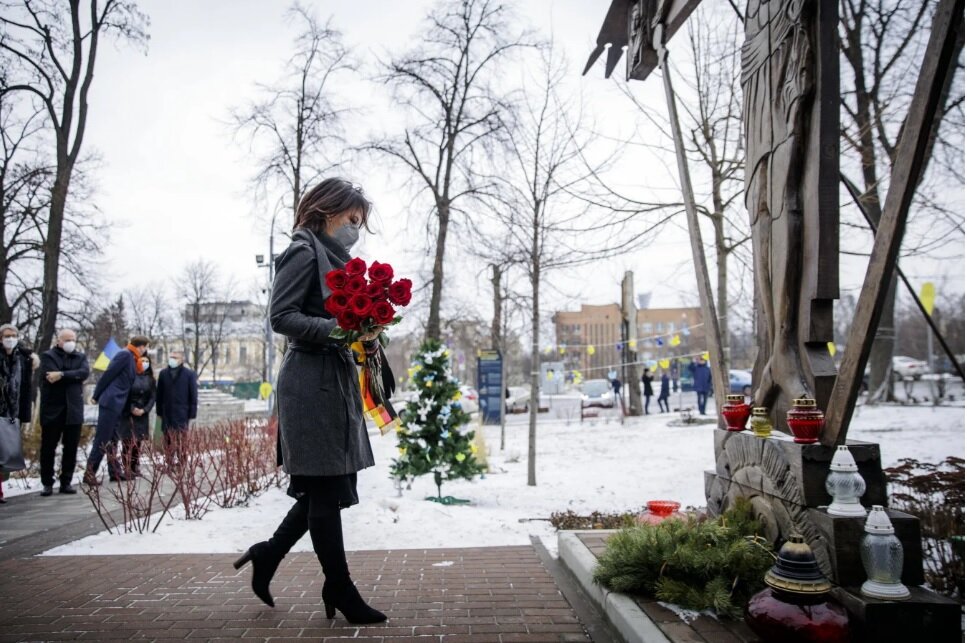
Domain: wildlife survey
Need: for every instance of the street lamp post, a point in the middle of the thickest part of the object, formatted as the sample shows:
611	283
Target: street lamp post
269	338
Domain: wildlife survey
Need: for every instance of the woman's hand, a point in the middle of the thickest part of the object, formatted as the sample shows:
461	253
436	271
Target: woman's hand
373	334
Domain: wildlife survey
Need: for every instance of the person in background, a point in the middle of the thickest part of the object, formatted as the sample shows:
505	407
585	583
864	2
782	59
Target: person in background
17	364
646	380
702	375
674	375
63	370
134	421
177	405
111	395
616	389
663	392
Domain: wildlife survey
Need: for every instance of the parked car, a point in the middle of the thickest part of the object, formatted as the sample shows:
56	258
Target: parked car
740	382
469	400
597	393
904	367
518	400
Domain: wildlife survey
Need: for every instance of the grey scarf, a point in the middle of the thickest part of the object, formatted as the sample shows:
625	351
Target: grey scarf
330	254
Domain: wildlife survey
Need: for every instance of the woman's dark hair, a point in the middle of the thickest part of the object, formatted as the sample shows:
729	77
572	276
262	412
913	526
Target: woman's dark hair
330	198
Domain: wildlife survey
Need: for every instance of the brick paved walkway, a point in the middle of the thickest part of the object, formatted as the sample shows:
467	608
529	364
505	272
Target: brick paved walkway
489	595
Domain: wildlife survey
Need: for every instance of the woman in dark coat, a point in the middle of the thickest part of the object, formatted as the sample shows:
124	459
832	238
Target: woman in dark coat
663	393
322	432
646	379
134	422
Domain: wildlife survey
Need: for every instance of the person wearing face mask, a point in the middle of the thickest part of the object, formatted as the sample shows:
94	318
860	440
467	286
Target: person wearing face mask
63	370
17	365
111	394
323	441
177	404
134	421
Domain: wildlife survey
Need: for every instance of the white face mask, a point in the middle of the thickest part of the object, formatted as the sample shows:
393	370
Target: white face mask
145	363
69	347
10	343
173	363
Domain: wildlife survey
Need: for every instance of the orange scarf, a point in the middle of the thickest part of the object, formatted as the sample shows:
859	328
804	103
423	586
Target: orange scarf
138	366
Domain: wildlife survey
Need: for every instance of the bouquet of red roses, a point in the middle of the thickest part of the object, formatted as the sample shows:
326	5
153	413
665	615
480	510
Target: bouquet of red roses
360	303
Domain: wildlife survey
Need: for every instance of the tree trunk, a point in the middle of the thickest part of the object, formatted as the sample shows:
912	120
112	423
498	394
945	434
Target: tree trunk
436	292
52	250
496	338
535	373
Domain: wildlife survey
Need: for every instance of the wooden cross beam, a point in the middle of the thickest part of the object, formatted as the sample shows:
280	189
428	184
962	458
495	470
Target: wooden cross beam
630	24
911	156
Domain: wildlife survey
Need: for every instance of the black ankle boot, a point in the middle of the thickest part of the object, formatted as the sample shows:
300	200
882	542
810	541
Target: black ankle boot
266	555
344	596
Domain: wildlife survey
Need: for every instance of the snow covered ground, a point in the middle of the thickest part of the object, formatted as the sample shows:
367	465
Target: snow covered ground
598	465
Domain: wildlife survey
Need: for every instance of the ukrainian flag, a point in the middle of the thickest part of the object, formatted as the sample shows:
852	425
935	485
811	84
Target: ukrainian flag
110	350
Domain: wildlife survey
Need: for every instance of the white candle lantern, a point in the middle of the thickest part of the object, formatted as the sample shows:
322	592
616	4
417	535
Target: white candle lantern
882	555
845	484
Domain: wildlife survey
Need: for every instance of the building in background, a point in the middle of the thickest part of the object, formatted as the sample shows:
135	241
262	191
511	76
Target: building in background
600	327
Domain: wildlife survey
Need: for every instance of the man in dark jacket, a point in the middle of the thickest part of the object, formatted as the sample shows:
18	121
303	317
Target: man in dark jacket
63	370
111	394
703	382
176	403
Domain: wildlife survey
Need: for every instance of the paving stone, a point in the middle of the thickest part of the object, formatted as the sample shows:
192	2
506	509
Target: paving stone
488	595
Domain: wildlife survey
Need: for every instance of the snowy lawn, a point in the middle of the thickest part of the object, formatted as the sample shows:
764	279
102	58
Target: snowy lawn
599	465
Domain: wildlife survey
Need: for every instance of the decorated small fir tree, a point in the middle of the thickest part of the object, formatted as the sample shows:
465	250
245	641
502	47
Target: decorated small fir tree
435	436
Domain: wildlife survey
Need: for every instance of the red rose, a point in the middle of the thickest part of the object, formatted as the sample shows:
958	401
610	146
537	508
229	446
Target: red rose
337	303
381	273
355	267
382	312
399	292
376	291
360	304
348	320
356	285
336	280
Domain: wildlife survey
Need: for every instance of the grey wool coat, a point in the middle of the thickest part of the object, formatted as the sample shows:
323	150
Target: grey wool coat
321	426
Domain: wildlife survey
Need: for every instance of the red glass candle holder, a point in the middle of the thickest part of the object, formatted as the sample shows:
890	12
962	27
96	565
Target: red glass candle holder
659	510
736	412
805	420
777	616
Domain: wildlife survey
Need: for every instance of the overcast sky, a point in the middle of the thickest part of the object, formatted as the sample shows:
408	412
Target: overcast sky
175	184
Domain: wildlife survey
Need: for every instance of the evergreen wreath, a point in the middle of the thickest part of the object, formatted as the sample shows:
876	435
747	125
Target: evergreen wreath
715	564
434	436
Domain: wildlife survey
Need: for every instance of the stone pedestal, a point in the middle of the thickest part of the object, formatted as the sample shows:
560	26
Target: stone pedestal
783	480
843	536
925	616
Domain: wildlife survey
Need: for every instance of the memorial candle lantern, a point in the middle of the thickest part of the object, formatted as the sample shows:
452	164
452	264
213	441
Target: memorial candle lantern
882	556
845	484
805	420
761	424
736	412
795	607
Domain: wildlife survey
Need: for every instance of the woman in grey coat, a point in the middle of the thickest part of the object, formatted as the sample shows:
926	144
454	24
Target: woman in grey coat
323	436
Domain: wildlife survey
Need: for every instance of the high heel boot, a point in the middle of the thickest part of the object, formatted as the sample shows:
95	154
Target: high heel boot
266	555
338	591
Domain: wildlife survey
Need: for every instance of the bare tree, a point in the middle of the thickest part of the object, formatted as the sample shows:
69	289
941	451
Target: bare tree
49	54
455	110
882	43
295	125
542	225
205	299
24	179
